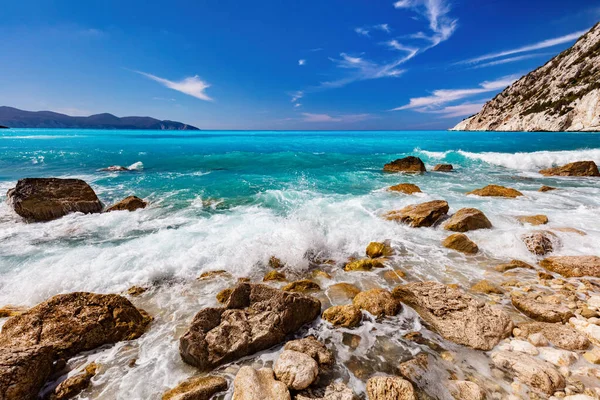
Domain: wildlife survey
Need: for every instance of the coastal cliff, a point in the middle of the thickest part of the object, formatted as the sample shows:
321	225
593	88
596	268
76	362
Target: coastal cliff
562	95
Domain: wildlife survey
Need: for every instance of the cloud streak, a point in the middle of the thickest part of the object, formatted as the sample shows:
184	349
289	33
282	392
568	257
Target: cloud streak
192	86
311	117
437	14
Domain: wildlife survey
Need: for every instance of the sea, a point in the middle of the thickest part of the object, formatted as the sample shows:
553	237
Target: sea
229	200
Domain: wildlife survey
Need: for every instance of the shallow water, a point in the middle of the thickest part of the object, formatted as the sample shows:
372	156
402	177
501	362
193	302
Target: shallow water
231	200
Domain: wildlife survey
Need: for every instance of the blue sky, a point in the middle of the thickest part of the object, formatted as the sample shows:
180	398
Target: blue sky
276	64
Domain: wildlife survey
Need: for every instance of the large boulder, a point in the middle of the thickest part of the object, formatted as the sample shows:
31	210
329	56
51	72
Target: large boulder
540	242
23	371
297	370
75	322
406	188
378	302
467	219
455	315
197	388
461	242
251	384
540	307
578	168
408	164
255	317
539	375
418	215
45	199
573	266
496	191
347	316
562	336
390	388
130	203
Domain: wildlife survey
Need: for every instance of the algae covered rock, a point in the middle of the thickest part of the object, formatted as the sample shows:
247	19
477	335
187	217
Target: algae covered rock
533	219
302	286
366	264
378	249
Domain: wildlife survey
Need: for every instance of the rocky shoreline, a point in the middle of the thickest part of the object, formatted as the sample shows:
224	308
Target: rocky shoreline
526	331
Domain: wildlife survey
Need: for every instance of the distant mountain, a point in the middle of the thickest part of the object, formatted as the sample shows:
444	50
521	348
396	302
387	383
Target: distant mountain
562	95
15	118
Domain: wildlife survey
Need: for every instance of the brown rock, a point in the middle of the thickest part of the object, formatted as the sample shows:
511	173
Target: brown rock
540	307
408	164
539	242
512	265
135	291
377	249
443	168
23	371
366	264
254	318
537	374
213	274
223	295
297	370
75	384
406	188
197	388
573	266
274	276
250	384
467	219
545	188
378	302
485	286
496	191
302	286
348	316
130	203
394	276
276	263
415	368
11	311
465	390
342	291
455	315
418	215
75	322
333	391
461	242
390	388
45	199
533	219
570	230
578	168
562	336
312	348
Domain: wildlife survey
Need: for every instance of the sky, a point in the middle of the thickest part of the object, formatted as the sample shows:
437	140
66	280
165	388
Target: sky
277	64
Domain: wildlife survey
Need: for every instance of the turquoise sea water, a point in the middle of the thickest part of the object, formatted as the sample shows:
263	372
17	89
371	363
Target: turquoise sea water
230	200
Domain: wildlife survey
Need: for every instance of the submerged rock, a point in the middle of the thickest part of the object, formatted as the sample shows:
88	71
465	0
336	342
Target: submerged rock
460	242
419	215
540	242
562	336
378	249
276	263
342	291
533	219
513	264
23	371
455	315
347	316
75	322
378	302
274	276
578	168
254	318
467	219
312	348
75	384
408	164
11	311
539	307
297	370
333	391
366	264
496	191
573	266
465	390
115	168
545	188
487	287
406	188
443	168
251	384
197	388
302	286
537	374
130	203
45	199
390	388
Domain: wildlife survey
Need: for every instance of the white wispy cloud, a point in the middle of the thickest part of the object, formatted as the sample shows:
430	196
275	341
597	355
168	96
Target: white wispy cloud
524	49
362	31
363	69
510	60
297	105
192	86
301	62
459	110
297	95
443	96
383	27
311	117
437	14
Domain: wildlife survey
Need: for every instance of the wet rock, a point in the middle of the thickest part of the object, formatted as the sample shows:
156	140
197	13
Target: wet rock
539	375
135	291
513	264
223	295
519	346
75	322
333	391
251	384
570	230
366	264
562	336
11	311
465	390
460	242
343	291
254	318
455	315
274	276
377	249
545	188
390	388
378	302
197	388
347	316
312	348
23	371
443	168
406	188
415	368
496	191
487	287
130	203
558	357
213	274
573	266
394	276
540	242
592	356
540	308
533	219
467	219
419	215
297	370
75	384
276	263
302	286
578	168
45	199
408	164
592	331
115	168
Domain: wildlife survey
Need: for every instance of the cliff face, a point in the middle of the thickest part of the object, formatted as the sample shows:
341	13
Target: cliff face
562	95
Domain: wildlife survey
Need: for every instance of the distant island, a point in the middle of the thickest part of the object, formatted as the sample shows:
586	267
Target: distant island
15	118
